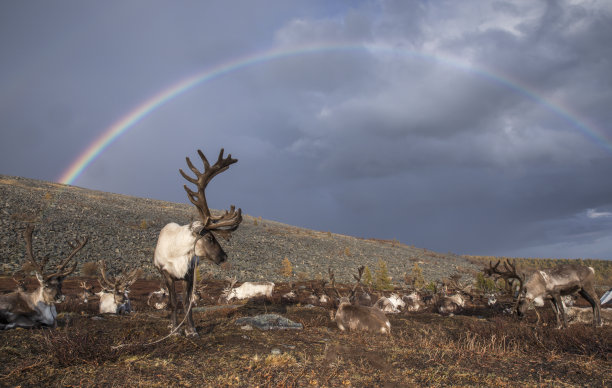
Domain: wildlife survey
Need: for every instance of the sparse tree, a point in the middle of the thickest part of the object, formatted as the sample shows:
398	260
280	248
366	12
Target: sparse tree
286	268
418	281
383	281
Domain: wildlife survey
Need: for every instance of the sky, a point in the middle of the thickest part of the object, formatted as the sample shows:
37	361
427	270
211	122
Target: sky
469	127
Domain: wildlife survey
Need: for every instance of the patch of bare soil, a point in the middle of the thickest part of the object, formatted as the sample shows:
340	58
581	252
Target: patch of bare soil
482	348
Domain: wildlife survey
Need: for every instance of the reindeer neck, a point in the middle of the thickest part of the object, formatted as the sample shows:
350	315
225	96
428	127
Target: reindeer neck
32	298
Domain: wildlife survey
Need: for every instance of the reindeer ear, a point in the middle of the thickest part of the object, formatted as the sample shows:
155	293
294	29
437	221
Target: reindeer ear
198	228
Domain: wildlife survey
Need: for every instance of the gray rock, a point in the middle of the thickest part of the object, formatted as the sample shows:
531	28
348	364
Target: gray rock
269	322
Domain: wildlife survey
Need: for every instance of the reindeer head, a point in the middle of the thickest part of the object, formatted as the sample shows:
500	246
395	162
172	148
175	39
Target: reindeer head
119	286
51	283
87	291
207	245
228	292
531	294
510	274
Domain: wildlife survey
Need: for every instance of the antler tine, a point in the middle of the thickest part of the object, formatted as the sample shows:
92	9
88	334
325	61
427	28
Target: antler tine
132	277
76	247
107	284
358	279
332	281
492	268
19	279
230	220
27	234
231	280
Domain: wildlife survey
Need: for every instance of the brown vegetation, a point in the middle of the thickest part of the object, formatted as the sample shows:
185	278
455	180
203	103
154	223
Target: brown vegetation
480	348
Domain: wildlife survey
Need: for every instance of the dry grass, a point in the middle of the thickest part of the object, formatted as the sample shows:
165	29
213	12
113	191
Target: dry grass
423	349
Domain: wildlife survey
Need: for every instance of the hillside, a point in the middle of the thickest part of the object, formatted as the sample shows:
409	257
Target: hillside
123	230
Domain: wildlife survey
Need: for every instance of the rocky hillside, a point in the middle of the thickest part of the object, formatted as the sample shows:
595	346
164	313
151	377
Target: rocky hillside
123	231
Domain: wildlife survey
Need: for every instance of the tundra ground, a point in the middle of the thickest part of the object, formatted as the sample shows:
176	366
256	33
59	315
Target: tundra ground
478	348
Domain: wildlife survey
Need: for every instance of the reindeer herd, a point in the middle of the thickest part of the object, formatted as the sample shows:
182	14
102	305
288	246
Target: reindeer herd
180	247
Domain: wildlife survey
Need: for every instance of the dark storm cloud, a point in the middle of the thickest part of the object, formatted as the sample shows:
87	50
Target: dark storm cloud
362	142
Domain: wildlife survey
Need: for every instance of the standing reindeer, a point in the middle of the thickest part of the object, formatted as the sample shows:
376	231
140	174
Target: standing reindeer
179	247
114	297
551	284
356	317
37	308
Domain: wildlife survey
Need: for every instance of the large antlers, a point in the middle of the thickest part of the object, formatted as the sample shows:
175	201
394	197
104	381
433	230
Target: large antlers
508	273
332	280
60	270
118	283
230	220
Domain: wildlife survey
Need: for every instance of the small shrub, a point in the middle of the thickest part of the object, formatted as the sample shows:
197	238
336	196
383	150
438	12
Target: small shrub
143	224
286	268
484	283
89	269
431	286
75	347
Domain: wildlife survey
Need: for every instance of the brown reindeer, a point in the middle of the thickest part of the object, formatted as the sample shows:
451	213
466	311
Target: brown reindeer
37	308
350	316
179	247
551	284
87	291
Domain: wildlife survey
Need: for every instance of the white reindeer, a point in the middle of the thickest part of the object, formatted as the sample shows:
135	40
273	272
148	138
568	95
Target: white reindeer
179	247
37	308
114	297
392	304
247	290
450	304
413	302
158	299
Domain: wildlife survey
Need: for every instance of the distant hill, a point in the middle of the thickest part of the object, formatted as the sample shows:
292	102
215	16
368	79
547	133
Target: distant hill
123	230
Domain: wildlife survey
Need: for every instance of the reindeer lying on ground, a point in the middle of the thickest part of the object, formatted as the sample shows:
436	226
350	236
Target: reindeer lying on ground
159	299
350	316
452	304
114	297
37	308
413	302
179	247
247	290
391	304
551	284
87	292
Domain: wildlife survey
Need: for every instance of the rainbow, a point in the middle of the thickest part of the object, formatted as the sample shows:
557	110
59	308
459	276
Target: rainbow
79	165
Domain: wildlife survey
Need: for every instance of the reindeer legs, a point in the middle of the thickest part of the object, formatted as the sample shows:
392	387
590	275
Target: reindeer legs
559	310
173	302
588	295
190	330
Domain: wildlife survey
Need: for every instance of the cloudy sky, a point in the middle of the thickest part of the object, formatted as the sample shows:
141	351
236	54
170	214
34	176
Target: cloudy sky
459	126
